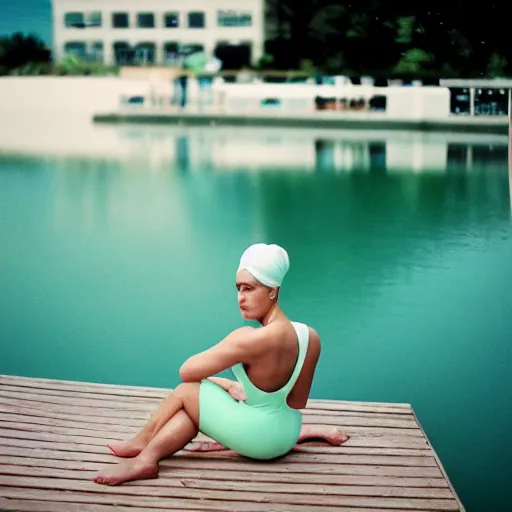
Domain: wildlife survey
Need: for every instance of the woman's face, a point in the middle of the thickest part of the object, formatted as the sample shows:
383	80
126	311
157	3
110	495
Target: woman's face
253	297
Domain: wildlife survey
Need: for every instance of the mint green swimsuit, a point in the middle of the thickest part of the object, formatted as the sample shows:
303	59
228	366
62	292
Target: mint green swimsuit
262	427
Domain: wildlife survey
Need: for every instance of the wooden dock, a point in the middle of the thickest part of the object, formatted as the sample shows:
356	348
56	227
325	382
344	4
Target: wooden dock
53	437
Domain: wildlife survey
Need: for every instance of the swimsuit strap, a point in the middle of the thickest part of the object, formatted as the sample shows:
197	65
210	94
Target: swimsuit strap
302	331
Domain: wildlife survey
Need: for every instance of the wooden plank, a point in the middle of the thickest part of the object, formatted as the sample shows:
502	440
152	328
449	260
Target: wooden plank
169	479
120	432
316	409
359	412
101	438
340	458
22	505
66	505
74	394
115	501
132	419
14	465
112	389
234	464
41	401
342	403
92	412
111	416
84	403
83	435
134	491
137	423
128	422
440	466
358	421
98	445
8	420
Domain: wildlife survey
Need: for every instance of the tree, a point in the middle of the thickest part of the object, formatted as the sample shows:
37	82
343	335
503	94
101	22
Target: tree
20	52
392	37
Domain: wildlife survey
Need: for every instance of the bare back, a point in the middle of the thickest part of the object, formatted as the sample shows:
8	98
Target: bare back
272	370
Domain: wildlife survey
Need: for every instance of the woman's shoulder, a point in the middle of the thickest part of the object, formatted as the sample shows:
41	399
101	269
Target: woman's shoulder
279	329
276	330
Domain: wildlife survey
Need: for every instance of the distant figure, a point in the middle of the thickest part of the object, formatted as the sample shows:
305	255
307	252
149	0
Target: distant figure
259	416
211	68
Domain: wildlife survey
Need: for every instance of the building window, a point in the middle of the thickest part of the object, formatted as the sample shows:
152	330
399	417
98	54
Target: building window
94	19
120	20
145	53
172	55
123	53
145	20
97	51
78	48
190	48
196	20
234	19
171	20
73	19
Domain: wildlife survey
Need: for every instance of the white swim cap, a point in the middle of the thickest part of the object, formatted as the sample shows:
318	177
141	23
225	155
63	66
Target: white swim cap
267	263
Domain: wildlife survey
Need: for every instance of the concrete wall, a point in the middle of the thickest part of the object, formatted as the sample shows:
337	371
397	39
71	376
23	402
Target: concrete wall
402	102
54	114
208	36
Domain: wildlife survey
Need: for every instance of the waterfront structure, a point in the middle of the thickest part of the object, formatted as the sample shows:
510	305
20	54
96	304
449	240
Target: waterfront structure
157	32
481	97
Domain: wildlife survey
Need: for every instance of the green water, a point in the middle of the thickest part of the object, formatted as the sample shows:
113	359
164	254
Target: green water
115	270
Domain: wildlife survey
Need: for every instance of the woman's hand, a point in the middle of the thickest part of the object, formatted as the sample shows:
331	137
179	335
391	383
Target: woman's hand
236	390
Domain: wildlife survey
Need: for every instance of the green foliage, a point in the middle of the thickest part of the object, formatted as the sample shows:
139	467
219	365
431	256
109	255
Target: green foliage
497	65
385	38
73	65
266	61
405	29
413	62
21	54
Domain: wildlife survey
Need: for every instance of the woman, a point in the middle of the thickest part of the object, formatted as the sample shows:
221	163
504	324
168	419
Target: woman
257	417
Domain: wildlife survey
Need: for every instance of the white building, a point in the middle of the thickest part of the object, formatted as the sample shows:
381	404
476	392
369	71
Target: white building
153	31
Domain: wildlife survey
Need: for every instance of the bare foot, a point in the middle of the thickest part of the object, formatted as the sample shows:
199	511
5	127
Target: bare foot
205	446
130	448
127	470
322	433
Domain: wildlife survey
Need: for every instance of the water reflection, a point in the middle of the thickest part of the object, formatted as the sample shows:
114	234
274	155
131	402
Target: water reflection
224	149
228	149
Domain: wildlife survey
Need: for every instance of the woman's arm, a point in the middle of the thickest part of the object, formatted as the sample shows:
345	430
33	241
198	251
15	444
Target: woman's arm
241	346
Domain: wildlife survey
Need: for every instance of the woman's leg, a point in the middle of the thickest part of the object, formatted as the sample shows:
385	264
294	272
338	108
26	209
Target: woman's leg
178	432
331	435
172	437
167	409
315	434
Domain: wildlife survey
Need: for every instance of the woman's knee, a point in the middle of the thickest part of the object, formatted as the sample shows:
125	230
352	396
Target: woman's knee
188	393
185	389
